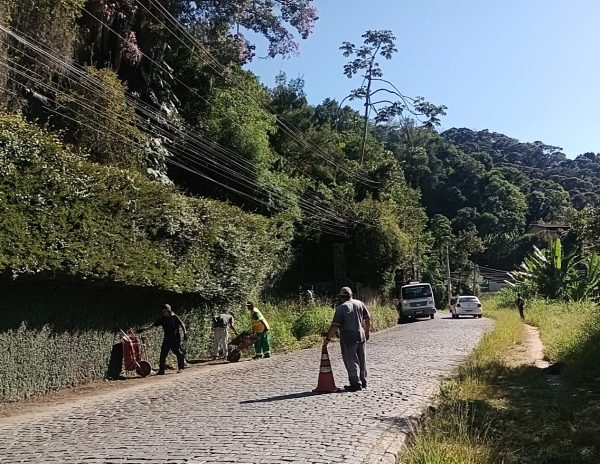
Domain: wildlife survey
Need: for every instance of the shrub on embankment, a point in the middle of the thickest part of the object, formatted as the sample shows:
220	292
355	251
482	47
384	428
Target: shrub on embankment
302	326
64	216
98	237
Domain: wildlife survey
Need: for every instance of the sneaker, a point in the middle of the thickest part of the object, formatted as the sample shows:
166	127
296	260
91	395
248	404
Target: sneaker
257	356
160	373
364	385
353	388
268	355
180	371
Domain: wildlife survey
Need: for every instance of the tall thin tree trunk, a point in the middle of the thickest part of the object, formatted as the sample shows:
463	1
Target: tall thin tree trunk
366	117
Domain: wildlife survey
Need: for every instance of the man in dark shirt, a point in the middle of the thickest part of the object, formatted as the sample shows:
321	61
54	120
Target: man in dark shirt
170	322
521	306
353	320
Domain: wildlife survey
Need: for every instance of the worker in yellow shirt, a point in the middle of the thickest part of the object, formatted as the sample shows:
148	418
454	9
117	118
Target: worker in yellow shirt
260	326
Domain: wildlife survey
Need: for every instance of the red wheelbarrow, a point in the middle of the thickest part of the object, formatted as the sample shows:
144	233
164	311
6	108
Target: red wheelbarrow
242	341
134	353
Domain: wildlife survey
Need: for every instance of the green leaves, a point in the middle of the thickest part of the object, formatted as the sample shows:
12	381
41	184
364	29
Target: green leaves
108	132
574	277
557	248
66	216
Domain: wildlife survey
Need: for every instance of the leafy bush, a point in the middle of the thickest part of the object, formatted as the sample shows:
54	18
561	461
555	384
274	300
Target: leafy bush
314	320
382	316
65	216
120	143
379	247
572	277
507	296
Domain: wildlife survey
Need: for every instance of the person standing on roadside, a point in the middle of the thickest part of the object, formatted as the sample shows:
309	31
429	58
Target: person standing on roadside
260	326
170	322
521	306
353	320
221	325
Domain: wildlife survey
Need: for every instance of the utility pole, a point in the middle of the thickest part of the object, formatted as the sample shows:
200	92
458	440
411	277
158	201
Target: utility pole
449	282
418	262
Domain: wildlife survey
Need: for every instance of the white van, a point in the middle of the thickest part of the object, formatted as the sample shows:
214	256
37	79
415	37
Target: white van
416	300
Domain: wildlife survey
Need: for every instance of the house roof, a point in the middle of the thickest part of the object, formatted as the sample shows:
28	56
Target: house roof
550	226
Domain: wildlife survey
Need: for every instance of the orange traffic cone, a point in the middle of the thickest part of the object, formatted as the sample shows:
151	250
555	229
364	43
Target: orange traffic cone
325	384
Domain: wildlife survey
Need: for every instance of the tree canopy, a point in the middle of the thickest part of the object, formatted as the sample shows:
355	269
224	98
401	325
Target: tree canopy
158	89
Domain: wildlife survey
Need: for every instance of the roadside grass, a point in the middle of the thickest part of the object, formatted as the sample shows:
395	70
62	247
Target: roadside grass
490	412
295	326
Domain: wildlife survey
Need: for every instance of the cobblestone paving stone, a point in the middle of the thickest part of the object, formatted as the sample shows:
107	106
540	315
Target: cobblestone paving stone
255	411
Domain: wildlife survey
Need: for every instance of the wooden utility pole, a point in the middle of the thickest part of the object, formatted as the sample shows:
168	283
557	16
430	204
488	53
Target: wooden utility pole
449	281
418	262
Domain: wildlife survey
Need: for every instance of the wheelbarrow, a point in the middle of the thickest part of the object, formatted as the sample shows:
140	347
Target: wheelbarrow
134	353
242	341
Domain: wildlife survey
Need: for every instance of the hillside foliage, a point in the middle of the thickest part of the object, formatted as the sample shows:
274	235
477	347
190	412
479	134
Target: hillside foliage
159	90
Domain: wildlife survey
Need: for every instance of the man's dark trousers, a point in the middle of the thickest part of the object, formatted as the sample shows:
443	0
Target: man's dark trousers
175	347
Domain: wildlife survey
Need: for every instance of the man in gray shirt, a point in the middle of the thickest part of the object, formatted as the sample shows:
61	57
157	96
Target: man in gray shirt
352	318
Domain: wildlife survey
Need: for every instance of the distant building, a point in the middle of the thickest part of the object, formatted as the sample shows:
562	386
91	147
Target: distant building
550	230
492	286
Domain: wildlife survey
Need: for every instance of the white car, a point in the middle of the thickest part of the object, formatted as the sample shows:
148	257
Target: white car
467	306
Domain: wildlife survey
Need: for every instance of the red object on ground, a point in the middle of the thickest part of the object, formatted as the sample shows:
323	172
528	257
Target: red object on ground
132	358
131	351
326	383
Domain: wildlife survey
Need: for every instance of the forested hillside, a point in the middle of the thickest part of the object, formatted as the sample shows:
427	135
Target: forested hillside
159	89
544	165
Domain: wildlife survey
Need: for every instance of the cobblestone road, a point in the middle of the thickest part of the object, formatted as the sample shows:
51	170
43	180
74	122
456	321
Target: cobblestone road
252	412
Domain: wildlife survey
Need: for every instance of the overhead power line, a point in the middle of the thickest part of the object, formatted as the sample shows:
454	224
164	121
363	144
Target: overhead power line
144	109
195	92
197	48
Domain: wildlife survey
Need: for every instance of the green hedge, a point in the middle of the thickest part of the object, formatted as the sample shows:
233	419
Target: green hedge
65	217
57	337
53	337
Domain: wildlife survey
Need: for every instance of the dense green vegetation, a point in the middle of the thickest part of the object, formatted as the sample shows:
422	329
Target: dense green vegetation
179	106
64	217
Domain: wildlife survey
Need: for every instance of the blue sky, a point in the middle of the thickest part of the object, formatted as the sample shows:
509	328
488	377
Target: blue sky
526	68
